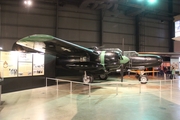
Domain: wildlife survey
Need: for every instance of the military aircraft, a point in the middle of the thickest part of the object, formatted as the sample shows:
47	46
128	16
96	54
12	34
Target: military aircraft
139	62
89	61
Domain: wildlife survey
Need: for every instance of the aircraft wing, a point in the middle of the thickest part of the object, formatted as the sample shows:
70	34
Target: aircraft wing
52	45
163	54
139	72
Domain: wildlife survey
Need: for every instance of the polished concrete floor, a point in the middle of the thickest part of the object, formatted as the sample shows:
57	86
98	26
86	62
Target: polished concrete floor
152	101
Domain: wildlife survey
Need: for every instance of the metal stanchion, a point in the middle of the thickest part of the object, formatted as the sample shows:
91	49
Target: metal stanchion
160	85
46	81
117	89
57	87
171	83
70	87
89	90
164	76
57	84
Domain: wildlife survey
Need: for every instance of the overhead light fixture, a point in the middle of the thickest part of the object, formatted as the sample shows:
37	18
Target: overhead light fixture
1	48
28	2
152	1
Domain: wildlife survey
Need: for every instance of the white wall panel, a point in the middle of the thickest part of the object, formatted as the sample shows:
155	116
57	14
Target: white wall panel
118	38
118	28
36	20
119	19
86	44
26	31
156	49
72	8
176	46
8	43
110	37
161	5
9	18
76	35
152	41
68	23
89	36
9	31
74	23
41	11
89	25
157	32
72	35
176	8
78	15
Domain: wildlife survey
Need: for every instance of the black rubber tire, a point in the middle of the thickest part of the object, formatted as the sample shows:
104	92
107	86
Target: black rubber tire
89	79
143	79
103	77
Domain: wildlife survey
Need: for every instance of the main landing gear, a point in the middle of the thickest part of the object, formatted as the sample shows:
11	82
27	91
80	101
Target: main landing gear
142	78
103	76
89	78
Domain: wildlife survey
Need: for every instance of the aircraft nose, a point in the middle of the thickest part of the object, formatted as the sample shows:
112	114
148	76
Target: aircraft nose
124	60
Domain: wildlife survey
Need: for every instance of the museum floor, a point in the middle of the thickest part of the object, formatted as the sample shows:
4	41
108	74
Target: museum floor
153	101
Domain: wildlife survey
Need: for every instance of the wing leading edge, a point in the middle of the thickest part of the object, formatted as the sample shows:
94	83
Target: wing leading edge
52	45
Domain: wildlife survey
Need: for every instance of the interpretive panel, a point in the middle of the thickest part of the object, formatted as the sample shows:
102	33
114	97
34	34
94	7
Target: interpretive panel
38	64
25	57
177	28
9	63
25	64
25	69
15	64
175	63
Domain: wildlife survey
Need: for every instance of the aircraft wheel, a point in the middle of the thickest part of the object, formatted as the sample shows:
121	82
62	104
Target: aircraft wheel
103	76
88	79
143	79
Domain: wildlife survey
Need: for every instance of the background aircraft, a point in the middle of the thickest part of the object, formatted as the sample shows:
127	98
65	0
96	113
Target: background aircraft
140	62
90	62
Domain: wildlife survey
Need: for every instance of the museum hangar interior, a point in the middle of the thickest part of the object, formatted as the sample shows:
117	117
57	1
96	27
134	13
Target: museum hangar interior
130	25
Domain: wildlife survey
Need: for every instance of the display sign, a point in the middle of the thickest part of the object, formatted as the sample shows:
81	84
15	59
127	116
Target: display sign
175	63
24	69
25	57
38	64
9	63
177	28
15	64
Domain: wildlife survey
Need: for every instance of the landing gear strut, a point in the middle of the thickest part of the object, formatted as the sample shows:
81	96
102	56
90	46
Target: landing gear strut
142	78
87	79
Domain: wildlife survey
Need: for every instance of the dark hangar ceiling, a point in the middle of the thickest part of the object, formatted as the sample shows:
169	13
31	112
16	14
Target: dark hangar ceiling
163	10
128	7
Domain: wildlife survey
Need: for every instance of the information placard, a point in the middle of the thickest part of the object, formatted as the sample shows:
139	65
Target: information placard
25	69
15	64
38	64
9	63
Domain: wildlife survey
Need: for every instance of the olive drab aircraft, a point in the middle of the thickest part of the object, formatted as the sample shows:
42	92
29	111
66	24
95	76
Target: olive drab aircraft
89	61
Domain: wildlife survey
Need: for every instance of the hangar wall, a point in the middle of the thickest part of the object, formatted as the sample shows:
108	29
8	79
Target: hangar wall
154	35
81	26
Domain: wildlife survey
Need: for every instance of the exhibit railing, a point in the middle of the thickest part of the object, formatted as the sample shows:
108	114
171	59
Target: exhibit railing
116	83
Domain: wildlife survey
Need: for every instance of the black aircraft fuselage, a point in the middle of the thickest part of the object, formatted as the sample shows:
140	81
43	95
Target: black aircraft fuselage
75	57
142	61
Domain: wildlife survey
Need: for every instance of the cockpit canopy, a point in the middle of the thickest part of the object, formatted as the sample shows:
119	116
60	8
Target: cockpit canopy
130	53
